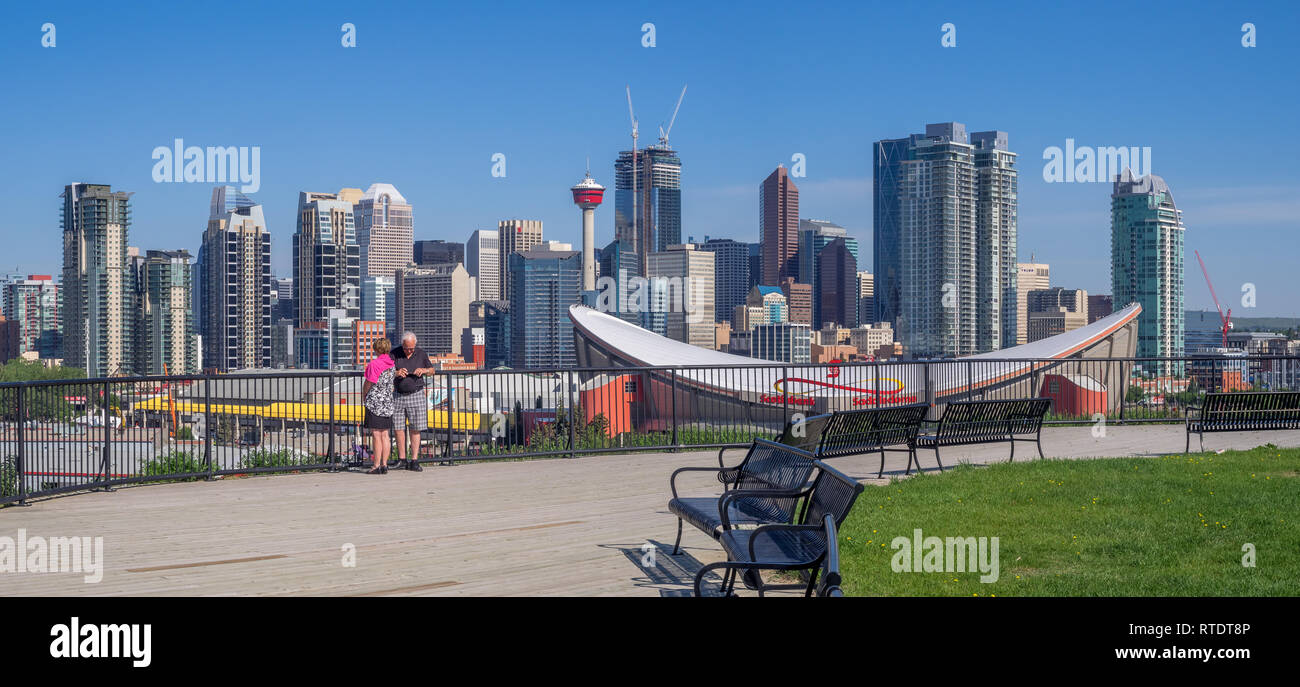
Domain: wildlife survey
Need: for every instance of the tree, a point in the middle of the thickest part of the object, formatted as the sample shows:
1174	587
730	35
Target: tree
1135	394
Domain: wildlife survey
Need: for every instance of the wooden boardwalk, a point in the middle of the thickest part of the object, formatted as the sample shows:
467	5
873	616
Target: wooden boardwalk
572	527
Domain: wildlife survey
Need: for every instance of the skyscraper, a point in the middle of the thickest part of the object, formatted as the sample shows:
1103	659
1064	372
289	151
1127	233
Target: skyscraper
33	305
543	283
385	230
1032	276
620	264
835	292
236	284
164	333
515	236
815	235
778	217
439	252
686	274
379	301
1146	256
658	200
731	274
951	215
483	262
434	303
326	258
96	291
866	297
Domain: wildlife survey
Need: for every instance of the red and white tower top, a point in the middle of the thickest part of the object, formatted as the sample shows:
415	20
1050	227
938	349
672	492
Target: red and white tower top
587	194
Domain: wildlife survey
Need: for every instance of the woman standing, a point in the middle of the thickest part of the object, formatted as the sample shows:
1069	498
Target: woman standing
377	390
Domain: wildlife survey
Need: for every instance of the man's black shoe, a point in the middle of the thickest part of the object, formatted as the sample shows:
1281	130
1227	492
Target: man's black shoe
414	466
397	464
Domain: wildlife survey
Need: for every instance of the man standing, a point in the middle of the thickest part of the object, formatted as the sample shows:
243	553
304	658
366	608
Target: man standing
410	398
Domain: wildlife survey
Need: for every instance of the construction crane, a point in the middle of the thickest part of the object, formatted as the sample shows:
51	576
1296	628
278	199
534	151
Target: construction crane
635	172
663	134
1225	318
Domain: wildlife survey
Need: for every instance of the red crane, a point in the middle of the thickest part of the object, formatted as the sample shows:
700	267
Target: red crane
1225	318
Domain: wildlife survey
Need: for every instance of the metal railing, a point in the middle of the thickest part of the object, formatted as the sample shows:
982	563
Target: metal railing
83	434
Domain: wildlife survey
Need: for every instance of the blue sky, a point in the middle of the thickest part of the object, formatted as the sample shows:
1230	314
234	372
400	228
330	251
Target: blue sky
432	91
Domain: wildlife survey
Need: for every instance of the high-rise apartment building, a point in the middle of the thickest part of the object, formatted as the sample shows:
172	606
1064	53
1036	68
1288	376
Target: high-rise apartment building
385	230
656	177
687	274
497	349
483	262
32	305
544	283
1032	276
97	294
236	285
515	236
326	257
1146	255
1099	306
814	235
947	205
164	331
778	217
786	342
434	303
835	290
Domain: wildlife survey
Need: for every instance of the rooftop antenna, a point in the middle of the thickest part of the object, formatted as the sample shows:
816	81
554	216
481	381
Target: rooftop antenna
635	171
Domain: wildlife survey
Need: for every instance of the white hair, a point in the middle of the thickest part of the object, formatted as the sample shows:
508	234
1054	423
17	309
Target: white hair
408	335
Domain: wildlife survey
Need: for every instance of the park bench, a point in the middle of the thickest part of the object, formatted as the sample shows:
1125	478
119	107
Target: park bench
800	547
854	432
986	422
1242	412
765	488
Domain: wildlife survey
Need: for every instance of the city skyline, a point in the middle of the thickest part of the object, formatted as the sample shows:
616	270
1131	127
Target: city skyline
445	167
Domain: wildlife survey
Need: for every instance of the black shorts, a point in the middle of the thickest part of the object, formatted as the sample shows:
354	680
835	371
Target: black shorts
378	421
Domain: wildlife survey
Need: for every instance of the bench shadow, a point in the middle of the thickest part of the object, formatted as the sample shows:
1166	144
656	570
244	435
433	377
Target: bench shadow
670	575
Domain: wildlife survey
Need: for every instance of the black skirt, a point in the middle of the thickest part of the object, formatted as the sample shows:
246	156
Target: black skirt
378	421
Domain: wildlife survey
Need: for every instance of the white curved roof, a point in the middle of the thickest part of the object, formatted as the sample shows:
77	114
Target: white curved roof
643	347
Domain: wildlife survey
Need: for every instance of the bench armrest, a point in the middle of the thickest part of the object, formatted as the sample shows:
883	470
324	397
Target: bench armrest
672	480
727	498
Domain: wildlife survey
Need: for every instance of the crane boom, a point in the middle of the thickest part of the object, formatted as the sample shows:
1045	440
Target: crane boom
1224	319
663	133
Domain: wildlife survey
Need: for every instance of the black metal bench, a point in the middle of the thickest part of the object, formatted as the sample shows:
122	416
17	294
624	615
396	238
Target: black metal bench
766	488
872	430
789	547
987	422
854	432
1242	412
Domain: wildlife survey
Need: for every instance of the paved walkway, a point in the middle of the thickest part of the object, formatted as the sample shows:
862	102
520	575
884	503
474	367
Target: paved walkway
541	527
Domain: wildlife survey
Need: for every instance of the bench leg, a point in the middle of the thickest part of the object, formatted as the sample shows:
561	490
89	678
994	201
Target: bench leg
677	544
1012	459
1188	448
1039	440
1201	436
936	459
812	583
882	464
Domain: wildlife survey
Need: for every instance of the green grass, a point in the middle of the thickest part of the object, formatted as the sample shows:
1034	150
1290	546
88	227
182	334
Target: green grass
1167	526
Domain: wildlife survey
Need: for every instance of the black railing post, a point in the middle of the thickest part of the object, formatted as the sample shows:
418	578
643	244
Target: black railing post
448	415
106	462
568	400
673	396
970	381
208	427
21	464
329	447
785	394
